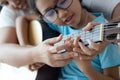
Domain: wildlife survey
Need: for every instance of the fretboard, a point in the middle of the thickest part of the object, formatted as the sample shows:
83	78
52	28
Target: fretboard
98	33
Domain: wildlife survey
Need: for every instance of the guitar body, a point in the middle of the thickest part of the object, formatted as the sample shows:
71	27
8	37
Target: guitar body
35	32
38	33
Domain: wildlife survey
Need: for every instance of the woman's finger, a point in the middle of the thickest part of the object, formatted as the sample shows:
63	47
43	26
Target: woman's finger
53	40
67	55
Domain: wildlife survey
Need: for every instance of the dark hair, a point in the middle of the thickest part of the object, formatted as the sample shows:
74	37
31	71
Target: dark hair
80	1
4	3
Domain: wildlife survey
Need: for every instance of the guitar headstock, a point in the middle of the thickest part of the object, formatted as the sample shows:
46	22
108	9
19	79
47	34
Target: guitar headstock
112	32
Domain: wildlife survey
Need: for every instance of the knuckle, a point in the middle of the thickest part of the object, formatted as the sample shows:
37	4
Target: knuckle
62	56
90	23
90	53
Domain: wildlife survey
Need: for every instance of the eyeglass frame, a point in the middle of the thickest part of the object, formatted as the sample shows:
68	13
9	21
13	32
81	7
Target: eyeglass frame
56	12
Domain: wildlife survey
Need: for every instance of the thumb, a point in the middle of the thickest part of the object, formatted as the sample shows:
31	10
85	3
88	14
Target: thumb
53	40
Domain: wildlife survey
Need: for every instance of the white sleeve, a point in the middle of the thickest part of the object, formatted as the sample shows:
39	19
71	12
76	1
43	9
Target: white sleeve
7	17
105	6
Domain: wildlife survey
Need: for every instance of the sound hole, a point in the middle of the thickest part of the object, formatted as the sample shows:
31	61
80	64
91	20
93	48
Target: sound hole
111	36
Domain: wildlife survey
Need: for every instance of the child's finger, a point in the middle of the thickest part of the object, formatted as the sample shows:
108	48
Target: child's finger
78	50
90	25
76	40
93	45
85	49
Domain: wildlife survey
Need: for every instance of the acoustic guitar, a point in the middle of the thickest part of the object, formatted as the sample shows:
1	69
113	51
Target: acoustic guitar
40	31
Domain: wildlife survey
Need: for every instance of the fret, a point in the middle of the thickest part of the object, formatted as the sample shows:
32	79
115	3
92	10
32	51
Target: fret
94	35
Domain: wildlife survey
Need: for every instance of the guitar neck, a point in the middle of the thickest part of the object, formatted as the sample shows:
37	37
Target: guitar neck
106	32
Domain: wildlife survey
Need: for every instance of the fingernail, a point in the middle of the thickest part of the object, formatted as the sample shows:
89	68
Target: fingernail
88	40
75	54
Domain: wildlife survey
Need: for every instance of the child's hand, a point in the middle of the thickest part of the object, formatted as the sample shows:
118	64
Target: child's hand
82	64
90	25
89	53
69	44
96	48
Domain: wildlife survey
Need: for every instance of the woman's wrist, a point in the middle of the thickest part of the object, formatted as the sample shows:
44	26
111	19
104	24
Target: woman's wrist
35	55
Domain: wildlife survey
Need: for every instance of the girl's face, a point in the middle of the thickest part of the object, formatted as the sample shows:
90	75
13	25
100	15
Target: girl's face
70	15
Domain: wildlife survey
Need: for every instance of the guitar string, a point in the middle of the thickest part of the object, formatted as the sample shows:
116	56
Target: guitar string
96	30
95	37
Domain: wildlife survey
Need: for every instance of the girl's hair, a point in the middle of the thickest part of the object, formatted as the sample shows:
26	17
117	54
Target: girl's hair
80	1
4	3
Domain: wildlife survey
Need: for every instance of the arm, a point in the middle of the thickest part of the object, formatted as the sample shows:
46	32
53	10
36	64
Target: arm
14	54
87	69
9	50
23	34
112	73
85	66
22	30
109	11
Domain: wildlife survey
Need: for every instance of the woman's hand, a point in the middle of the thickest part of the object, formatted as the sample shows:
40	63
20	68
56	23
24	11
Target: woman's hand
47	53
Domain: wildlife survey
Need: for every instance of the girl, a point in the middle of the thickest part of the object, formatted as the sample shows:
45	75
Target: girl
68	16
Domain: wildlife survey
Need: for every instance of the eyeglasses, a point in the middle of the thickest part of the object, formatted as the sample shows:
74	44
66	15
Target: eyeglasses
52	15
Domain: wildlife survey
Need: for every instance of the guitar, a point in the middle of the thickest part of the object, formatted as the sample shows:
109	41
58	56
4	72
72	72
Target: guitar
109	32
